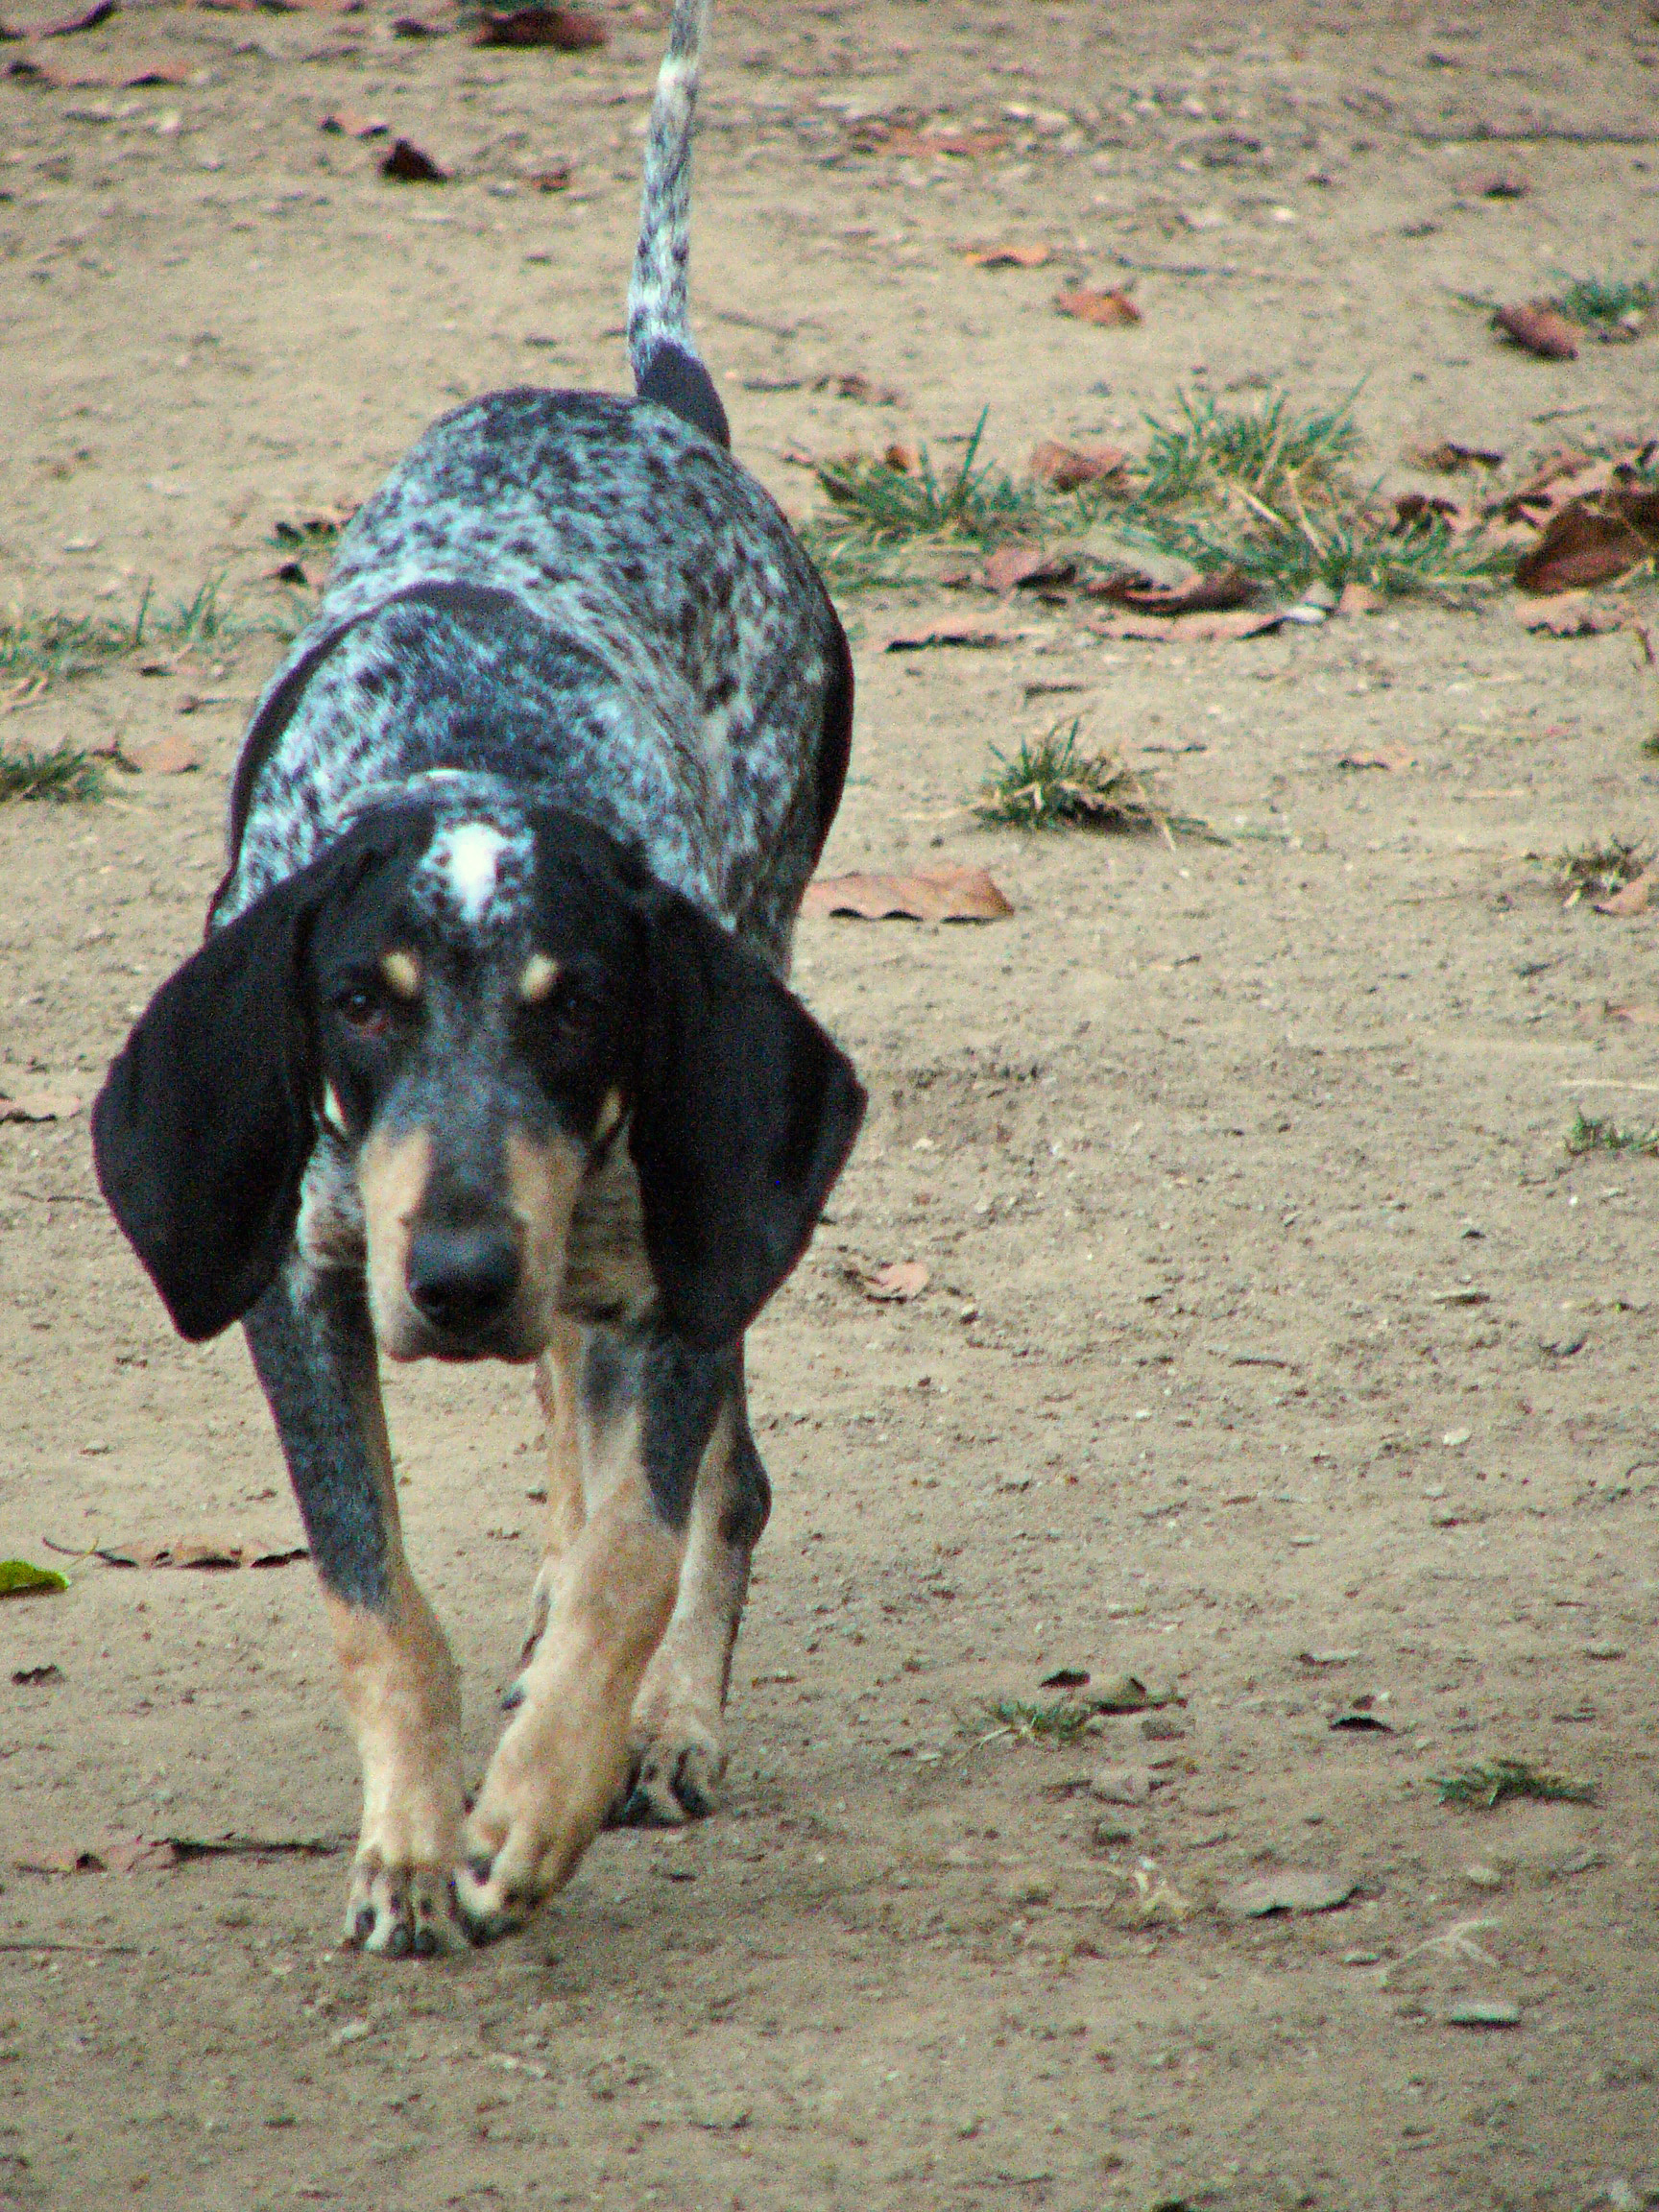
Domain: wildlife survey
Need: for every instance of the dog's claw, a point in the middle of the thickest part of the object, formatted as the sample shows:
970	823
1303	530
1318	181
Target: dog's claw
403	1911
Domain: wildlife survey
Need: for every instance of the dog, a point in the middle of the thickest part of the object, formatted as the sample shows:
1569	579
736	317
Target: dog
489	1054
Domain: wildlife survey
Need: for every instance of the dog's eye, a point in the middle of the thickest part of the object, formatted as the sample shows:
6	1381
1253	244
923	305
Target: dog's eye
364	1010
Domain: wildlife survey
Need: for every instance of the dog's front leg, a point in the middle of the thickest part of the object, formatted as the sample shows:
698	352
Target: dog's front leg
649	1412
313	1349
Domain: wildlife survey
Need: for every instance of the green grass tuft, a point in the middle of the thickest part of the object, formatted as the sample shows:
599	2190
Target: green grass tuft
1610	306
1588	1134
64	775
1491	1781
1270	453
1051	785
1058	1721
54	646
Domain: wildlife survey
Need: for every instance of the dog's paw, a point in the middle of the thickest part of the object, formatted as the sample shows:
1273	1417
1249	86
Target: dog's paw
674	1775
536	1815
402	1911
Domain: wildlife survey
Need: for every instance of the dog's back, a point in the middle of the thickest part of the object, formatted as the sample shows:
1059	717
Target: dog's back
587	597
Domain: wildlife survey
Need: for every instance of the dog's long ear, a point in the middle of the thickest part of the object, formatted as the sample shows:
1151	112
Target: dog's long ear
205	1123
744	1117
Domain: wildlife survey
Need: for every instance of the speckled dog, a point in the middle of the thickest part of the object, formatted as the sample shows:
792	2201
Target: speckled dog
488	1054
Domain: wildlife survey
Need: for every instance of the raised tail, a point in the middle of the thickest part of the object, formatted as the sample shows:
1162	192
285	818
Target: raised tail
661	349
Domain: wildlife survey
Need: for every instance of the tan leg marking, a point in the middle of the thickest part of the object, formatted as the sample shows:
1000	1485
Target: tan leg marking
556	1373
402	1696
564	1754
677	1737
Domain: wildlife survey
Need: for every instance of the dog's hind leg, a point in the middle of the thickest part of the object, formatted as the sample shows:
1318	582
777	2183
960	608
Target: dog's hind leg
677	1733
314	1351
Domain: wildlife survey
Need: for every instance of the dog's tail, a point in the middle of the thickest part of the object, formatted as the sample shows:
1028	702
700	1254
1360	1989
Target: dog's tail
660	347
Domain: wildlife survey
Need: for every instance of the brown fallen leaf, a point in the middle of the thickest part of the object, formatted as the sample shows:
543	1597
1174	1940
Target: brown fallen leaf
1211	594
1566	475
1393	757
37	1677
554	178
1632	899
902	459
407	164
134	1854
1006	256
972	635
1584	544
171	755
1358	599
949	894
1102	308
286	572
83	20
1541	329
1013	568
568	29
1292	1889
347	123
1422	509
1447	457
199	1553
894	1282
854	385
1068	467
1165	629
1570	614
38	1105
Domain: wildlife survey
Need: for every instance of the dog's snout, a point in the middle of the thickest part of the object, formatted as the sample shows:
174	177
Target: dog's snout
460	1279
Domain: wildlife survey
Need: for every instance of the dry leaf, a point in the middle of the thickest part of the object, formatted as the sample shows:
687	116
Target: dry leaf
567	29
1211	594
38	1106
1016	566
972	635
1422	509
1499	184
1584	544
1541	329
84	20
406	164
895	1281
928	895
170	756
347	123
1394	756
1006	256
1202	629
1104	308
201	1553
1447	457
1570	614
1632	899
554	178
1068	467
1293	1889
903	460
864	389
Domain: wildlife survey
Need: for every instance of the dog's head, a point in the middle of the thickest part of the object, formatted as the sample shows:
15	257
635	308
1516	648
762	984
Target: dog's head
484	1041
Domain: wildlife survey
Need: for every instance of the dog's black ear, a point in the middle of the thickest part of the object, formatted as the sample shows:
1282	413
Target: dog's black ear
744	1117
205	1123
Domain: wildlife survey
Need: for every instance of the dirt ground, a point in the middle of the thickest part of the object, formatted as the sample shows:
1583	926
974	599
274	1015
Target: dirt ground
1268	1315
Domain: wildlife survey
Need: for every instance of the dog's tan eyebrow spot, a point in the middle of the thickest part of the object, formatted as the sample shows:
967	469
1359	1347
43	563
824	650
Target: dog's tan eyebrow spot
402	974
537	978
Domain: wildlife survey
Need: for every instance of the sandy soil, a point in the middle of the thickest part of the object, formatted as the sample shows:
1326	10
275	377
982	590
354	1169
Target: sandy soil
1266	1316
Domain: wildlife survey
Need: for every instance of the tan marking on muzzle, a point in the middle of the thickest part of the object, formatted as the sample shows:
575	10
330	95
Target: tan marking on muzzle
402	974
537	978
392	1178
544	1178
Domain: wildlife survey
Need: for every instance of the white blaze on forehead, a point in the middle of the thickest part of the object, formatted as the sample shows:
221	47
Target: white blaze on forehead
468	857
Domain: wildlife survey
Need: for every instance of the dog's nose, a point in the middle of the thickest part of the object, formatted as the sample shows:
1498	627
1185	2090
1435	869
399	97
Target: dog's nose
462	1278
